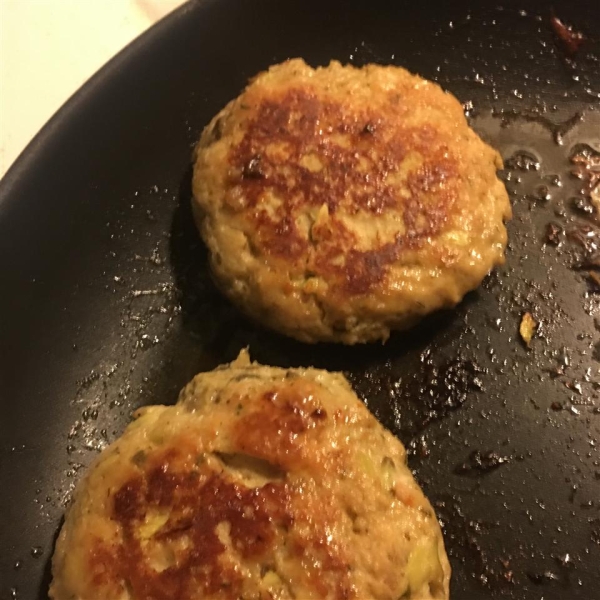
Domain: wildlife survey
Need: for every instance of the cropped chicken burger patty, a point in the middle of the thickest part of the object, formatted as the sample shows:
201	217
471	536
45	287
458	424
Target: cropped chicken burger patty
262	484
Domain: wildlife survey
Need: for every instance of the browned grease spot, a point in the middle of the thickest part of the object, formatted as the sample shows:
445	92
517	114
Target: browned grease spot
275	426
569	38
358	152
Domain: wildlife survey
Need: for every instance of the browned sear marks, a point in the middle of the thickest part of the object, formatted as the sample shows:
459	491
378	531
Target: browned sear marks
301	151
188	527
186	553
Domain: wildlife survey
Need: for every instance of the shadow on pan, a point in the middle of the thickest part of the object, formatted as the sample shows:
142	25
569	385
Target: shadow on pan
107	305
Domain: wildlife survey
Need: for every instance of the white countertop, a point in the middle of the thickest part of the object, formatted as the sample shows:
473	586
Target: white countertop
49	48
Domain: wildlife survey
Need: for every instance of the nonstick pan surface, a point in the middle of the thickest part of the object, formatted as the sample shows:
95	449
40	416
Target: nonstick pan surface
106	303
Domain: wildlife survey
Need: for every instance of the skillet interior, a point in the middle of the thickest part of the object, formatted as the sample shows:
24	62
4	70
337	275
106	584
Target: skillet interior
106	303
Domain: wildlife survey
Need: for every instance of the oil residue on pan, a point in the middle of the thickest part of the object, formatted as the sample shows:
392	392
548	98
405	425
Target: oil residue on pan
502	435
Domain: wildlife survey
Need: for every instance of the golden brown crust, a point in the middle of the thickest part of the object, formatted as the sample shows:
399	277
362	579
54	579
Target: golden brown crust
339	203
197	501
261	483
310	153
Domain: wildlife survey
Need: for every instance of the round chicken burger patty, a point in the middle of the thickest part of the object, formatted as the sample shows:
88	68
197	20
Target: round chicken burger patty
341	203
260	483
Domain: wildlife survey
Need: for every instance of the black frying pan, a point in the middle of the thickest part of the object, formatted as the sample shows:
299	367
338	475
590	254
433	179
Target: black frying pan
106	304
